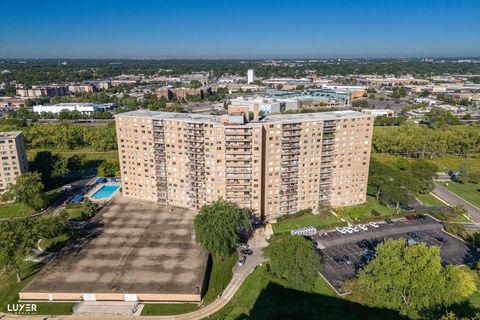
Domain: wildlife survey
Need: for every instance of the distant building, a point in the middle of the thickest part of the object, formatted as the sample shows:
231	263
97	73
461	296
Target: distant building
379	112
266	105
250	76
14	158
182	93
82	87
84	108
42	91
355	92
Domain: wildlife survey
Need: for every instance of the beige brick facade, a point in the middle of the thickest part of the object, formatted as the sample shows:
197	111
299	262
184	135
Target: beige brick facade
13	157
275	166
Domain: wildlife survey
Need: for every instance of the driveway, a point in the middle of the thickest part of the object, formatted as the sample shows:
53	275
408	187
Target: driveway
452	198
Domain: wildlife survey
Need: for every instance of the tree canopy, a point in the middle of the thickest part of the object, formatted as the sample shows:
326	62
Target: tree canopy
293	260
27	189
411	279
217	227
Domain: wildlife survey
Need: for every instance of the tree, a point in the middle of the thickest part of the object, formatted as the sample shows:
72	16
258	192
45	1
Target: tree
27	189
360	103
107	169
300	87
466	175
195	84
17	238
89	209
440	118
51	166
411	279
76	163
293	260
459	210
218	225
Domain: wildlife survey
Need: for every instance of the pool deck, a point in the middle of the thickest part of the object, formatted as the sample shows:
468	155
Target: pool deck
98	187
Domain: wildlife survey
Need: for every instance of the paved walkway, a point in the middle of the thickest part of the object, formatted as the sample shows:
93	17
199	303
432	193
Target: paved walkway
453	199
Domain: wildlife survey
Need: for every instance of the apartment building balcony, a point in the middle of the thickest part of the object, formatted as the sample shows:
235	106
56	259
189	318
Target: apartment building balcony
238	151
289	169
329	129
292	126
287	175
292	134
328	141
193	138
327	159
237	144
238	182
291	152
238	176
234	157
195	151
240	137
289	162
288	146
237	132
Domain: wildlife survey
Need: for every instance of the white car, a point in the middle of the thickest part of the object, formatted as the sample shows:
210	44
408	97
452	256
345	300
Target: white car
341	230
373	224
349	229
363	227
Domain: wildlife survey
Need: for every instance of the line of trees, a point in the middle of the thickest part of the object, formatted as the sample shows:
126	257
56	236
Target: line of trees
422	142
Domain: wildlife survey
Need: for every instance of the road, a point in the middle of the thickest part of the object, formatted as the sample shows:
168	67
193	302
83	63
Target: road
452	198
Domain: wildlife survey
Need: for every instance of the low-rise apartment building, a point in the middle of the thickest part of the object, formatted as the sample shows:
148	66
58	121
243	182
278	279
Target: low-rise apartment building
275	165
13	157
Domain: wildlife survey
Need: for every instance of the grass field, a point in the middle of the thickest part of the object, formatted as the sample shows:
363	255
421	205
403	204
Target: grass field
317	221
430	201
90	153
262	297
220	277
9	289
168	309
467	191
14	210
444	164
57	243
74	211
365	210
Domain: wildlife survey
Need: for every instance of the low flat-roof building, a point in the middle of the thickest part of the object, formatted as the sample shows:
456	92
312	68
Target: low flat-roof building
84	108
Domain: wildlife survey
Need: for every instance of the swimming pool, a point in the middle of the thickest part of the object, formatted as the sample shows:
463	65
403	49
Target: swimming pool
105	191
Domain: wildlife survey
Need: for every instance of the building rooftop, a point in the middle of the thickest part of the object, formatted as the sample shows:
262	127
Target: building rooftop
9	134
202	118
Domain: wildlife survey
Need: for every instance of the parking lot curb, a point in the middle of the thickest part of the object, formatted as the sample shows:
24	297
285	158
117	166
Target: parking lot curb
334	289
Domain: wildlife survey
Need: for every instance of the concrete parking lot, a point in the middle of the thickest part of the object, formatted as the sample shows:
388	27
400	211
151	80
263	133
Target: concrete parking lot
334	244
137	248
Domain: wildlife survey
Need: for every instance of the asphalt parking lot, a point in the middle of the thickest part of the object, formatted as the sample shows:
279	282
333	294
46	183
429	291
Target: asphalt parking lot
333	245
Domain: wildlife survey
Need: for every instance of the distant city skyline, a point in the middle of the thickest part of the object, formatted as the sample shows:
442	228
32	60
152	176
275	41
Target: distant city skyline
239	29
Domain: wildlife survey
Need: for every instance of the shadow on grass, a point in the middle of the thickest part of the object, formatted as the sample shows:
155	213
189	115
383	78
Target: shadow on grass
277	302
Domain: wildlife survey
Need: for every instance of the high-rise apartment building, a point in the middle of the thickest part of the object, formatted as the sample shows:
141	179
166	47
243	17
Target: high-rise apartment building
274	166
14	158
250	76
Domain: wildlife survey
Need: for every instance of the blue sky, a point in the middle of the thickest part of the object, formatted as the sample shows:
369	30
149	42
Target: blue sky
238	29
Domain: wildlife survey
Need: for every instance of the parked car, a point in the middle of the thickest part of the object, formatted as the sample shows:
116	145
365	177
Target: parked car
242	245
373	224
242	260
410	217
354	228
420	217
441	240
389	222
363	244
348	229
368	256
363	227
347	260
412	242
247	252
341	230
413	236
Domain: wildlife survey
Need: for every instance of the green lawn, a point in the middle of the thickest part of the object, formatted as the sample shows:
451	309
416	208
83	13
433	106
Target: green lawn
57	243
262	297
467	191
317	221
90	153
168	309
430	201
74	211
14	209
444	164
365	210
9	289
220	277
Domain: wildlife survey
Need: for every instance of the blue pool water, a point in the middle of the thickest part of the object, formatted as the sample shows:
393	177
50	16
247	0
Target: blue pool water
105	191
